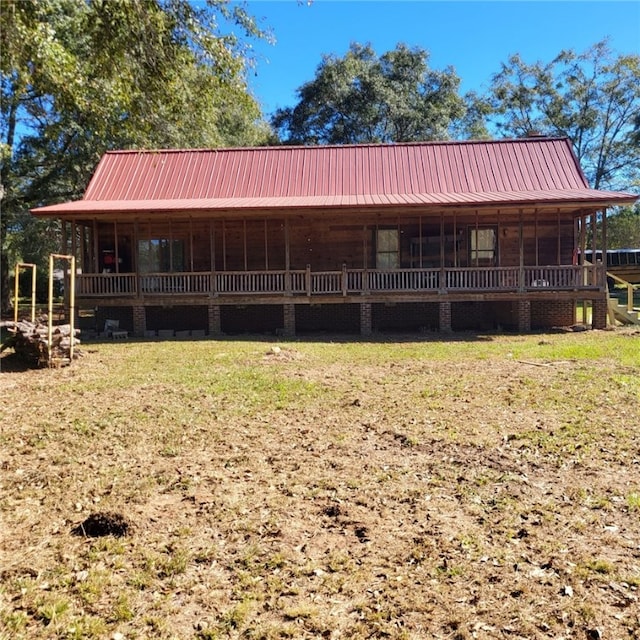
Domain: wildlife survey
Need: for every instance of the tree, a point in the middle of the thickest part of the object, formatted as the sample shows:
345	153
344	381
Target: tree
593	98
623	228
79	77
363	98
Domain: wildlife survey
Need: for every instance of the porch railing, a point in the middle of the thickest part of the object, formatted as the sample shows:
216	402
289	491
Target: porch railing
344	282
106	284
163	283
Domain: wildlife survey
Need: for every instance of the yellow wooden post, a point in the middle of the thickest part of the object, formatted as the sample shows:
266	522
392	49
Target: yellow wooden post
72	300
15	296
50	310
33	293
72	306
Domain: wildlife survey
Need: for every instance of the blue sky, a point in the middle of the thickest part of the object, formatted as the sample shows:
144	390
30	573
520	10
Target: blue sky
473	36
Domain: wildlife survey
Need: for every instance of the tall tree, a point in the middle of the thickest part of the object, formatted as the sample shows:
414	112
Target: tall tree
361	97
81	76
592	97
623	228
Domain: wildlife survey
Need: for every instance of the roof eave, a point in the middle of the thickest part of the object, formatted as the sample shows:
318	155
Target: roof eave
101	209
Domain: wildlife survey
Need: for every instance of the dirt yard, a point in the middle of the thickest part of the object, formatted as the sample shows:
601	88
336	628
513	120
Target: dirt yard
483	487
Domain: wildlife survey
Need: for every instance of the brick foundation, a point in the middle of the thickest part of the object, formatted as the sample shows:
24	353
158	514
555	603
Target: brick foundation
546	314
524	315
289	313
599	314
139	320
213	317
444	317
365	319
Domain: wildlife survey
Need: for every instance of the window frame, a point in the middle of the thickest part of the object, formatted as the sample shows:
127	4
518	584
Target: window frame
482	256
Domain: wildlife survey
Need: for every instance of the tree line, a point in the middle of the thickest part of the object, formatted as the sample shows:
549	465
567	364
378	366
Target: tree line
80	77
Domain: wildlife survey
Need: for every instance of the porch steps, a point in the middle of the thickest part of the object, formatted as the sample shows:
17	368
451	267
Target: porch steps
620	313
624	313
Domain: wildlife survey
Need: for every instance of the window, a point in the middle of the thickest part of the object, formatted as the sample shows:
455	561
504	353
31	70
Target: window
387	249
160	255
482	246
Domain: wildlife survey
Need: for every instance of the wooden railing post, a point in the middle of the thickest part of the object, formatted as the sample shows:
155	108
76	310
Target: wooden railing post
288	283
521	278
344	279
307	279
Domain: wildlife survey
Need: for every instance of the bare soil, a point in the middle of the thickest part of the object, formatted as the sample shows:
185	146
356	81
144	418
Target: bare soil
335	493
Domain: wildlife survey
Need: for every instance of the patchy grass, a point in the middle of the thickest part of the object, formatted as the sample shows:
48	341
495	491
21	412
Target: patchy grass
476	487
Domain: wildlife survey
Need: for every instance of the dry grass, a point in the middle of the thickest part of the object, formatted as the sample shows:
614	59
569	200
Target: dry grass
482	487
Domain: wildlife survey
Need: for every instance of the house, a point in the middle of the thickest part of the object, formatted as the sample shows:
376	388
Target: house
352	239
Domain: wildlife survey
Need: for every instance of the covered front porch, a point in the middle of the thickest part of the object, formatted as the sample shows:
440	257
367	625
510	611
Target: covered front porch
362	267
317	253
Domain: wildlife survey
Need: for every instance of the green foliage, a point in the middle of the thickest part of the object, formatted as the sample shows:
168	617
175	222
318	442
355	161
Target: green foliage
362	98
592	97
623	228
81	77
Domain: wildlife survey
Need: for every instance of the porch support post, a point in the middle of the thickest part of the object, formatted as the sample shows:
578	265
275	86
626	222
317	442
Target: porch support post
170	246
603	272
445	316
115	247
584	277
559	239
524	316
455	240
224	245
65	239
96	257
289	317
442	274
365	319
538	239
74	239
135	249
288	285
521	284
215	324
83	248
212	245
244	242
365	251
191	244
139	320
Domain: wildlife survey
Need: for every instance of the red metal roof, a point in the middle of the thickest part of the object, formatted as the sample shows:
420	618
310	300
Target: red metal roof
531	170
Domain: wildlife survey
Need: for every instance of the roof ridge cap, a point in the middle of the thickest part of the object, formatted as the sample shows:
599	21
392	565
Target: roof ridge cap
285	147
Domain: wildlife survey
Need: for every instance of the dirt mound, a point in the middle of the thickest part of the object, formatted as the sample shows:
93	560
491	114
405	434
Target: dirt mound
103	524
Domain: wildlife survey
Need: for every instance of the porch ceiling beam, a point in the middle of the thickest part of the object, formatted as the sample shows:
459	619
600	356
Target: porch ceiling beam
343	212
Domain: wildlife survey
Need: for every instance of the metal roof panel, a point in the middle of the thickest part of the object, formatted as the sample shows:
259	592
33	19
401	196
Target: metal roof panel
473	172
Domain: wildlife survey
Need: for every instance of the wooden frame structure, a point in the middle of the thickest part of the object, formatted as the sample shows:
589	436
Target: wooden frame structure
71	259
